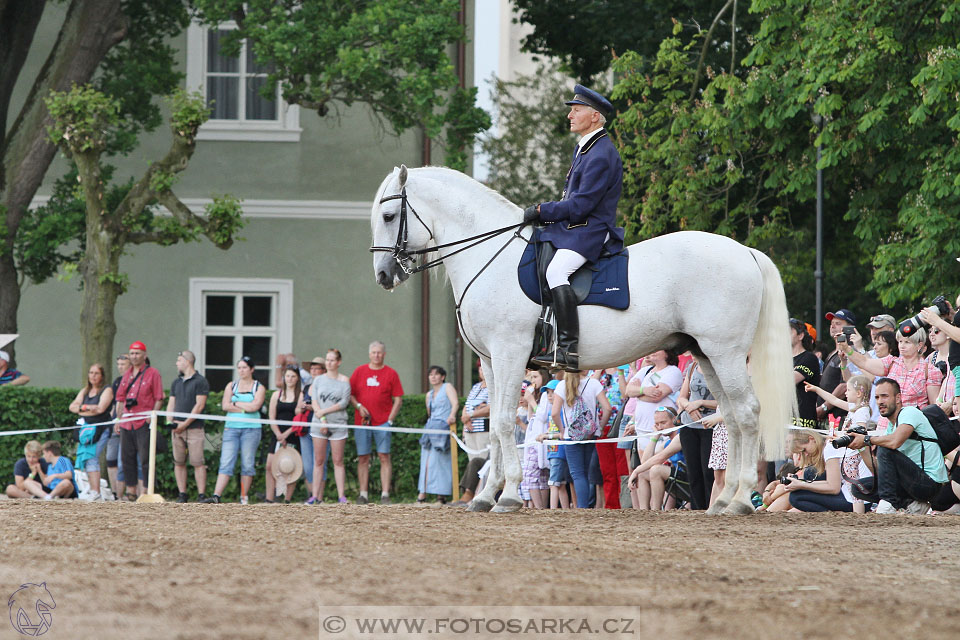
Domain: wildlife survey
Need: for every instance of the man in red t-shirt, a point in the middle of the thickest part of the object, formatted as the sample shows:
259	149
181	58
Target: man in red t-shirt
377	394
140	390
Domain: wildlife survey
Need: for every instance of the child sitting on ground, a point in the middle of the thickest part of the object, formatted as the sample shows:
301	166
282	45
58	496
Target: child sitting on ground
59	475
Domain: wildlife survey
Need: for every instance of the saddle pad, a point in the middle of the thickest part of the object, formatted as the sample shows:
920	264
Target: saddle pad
610	286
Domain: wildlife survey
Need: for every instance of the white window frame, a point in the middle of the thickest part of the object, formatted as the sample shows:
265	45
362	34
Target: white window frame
283	289
285	129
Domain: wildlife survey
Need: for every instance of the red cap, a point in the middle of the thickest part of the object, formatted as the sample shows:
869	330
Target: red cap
139	346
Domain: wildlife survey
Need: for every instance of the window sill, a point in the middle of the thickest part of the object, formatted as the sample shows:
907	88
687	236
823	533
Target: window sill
247	132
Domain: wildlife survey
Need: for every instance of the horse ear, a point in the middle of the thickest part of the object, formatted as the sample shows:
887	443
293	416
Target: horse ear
403	175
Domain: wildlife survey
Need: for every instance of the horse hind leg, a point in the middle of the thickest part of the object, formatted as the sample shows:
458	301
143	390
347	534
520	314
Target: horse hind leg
735	399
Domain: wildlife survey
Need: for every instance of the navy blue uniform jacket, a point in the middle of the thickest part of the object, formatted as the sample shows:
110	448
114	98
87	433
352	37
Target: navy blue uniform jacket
588	211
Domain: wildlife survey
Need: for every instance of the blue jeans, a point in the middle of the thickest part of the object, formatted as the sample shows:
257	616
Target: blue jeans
901	481
244	441
578	459
306	452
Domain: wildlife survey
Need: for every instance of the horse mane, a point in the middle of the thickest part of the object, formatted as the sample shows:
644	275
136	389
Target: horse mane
445	174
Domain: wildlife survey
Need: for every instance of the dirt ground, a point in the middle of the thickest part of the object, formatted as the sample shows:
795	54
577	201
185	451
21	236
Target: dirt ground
262	571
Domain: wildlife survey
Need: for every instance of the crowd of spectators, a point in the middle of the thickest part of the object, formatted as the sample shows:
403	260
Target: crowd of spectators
869	434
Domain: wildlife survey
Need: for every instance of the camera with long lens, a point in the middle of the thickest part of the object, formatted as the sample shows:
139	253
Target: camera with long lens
847	437
910	326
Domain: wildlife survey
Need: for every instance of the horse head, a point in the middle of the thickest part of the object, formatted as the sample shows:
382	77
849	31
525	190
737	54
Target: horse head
397	231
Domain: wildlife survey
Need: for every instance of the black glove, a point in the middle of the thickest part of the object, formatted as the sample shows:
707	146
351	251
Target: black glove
530	214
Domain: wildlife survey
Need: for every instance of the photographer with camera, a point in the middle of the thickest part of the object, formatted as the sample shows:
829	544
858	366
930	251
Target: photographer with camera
949	324
919	380
140	390
842	326
910	471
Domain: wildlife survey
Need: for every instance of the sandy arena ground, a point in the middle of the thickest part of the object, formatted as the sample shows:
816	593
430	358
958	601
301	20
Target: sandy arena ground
189	571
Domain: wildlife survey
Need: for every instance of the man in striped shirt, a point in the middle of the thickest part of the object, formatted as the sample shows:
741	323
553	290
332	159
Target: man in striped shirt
9	376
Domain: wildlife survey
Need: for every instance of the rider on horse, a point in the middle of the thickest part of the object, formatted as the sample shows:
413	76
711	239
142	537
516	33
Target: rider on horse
583	223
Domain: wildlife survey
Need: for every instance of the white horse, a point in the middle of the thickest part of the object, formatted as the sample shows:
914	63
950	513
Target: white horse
689	290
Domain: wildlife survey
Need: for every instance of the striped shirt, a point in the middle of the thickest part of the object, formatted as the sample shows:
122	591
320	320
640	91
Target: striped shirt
479	394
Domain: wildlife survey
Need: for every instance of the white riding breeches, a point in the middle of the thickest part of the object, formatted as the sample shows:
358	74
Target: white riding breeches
562	266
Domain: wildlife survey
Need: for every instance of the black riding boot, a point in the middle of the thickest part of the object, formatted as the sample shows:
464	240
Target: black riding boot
568	330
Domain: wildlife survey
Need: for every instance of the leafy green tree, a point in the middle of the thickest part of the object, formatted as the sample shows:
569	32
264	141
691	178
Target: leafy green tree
530	148
119	45
388	54
740	156
84	120
585	34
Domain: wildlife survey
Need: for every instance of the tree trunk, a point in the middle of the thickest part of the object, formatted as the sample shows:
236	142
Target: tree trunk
89	30
100	268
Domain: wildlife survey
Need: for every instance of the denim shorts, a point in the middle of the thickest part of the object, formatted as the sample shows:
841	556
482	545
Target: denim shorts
244	442
364	444
93	464
559	472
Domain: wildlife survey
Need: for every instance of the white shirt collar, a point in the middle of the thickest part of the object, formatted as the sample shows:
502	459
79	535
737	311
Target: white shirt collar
587	138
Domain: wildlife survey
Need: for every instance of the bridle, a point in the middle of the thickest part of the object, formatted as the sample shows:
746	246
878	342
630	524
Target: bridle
406	258
399	249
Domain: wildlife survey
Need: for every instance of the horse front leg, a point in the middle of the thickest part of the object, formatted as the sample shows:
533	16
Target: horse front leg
485	500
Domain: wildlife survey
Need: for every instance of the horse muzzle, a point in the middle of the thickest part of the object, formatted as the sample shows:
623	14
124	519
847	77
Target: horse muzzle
390	275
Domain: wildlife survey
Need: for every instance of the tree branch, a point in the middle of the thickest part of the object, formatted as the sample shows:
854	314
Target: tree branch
703	49
157	237
89	30
144	190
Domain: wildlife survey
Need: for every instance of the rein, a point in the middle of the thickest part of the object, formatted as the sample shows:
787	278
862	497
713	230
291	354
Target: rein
406	258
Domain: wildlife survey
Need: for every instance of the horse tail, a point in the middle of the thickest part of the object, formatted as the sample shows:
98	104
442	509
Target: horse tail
771	362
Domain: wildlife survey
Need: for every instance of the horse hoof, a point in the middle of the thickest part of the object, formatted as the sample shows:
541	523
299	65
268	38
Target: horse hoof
479	505
508	506
736	508
716	509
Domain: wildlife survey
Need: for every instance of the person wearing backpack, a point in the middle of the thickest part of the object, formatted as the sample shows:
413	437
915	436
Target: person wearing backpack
911	469
575	405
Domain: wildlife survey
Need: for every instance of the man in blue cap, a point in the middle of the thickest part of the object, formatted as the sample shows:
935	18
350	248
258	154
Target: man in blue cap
583	223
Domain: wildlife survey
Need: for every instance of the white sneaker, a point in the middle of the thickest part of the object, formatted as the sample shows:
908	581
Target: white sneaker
244	500
885	507
918	507
96	498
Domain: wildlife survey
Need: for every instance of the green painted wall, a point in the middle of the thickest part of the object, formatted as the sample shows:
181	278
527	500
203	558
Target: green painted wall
336	302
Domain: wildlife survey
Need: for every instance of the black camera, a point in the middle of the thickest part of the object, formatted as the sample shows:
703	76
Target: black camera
847	332
847	438
909	326
787	479
130	403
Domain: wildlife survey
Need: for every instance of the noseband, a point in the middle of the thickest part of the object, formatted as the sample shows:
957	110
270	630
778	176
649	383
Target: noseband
399	249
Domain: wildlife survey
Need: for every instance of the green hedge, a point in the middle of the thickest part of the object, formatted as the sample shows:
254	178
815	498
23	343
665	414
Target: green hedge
35	408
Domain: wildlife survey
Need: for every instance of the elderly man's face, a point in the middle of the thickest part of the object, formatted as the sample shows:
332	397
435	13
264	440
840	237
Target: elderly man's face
376	355
582	118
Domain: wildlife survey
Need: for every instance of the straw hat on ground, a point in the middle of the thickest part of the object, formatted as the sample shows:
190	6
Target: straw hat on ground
287	467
